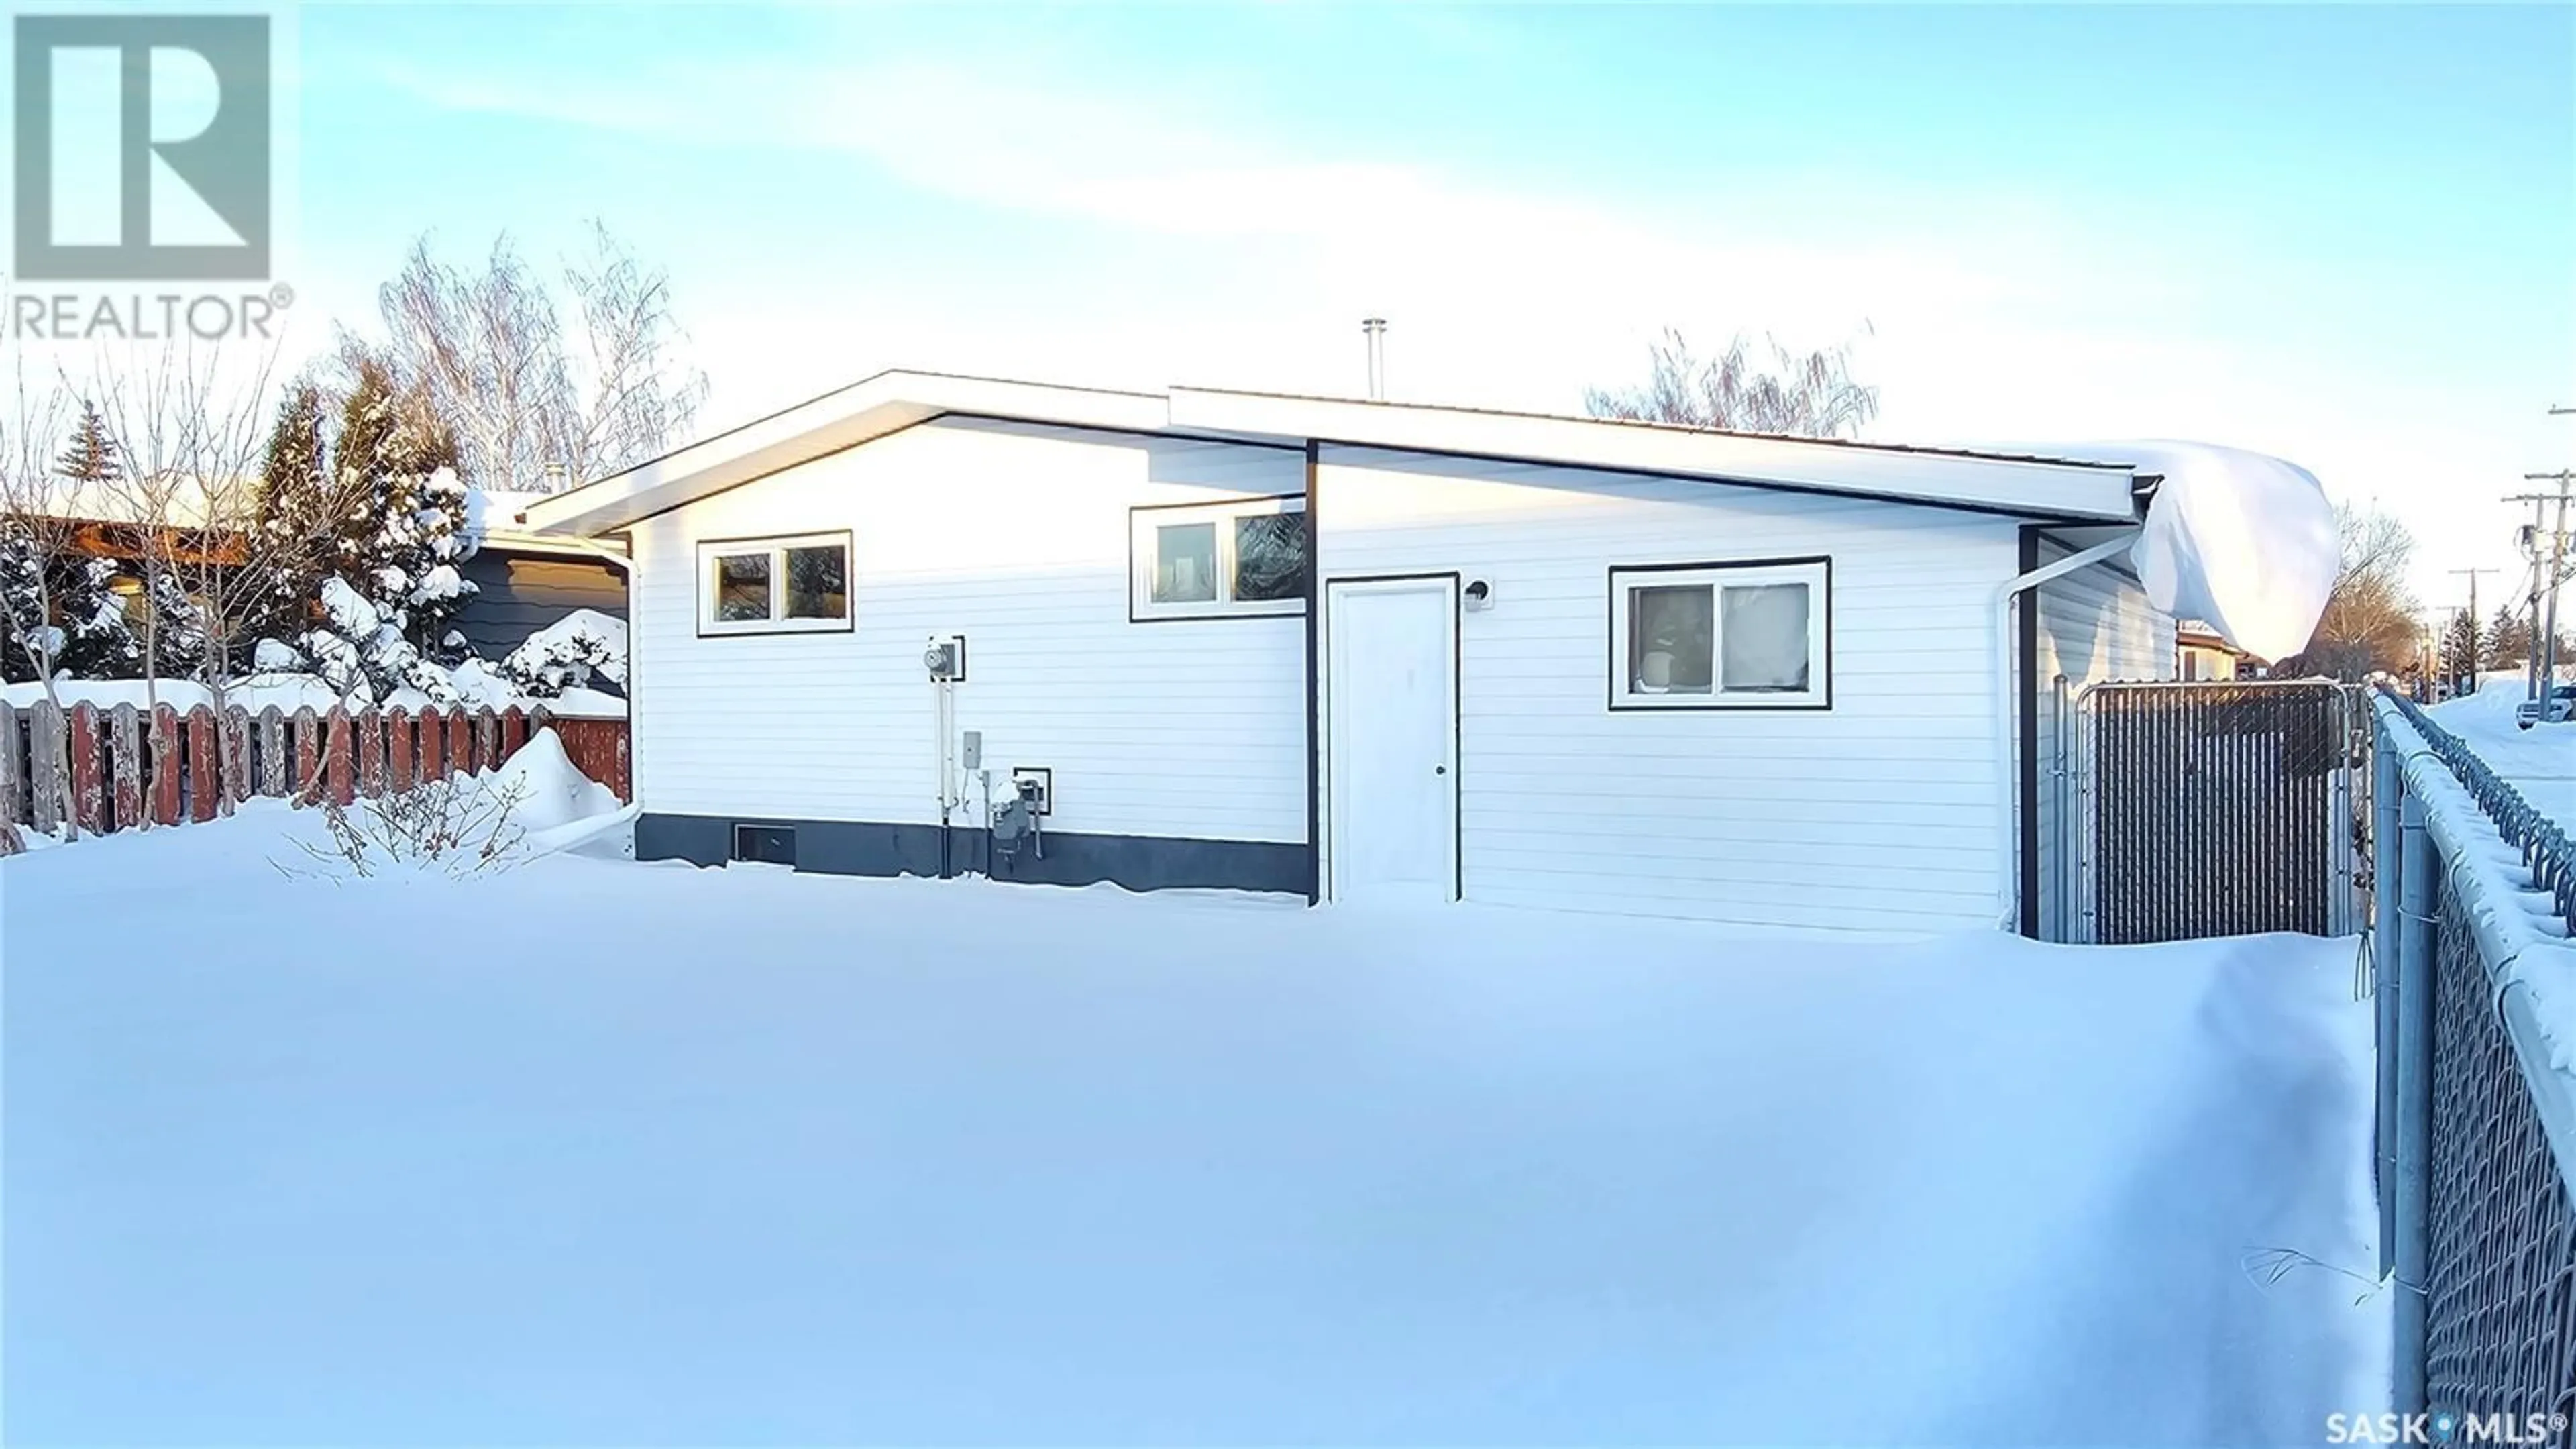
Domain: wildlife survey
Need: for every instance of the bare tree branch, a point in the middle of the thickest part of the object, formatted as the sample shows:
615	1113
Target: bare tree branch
1809	395
522	389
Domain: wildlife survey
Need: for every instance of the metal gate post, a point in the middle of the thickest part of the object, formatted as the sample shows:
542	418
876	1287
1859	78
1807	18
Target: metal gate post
2344	908
2387	849
2415	968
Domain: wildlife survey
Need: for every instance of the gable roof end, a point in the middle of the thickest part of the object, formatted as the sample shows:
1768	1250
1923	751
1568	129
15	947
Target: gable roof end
2036	487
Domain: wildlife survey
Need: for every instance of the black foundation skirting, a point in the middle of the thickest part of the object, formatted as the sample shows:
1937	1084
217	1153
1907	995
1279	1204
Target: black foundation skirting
1138	862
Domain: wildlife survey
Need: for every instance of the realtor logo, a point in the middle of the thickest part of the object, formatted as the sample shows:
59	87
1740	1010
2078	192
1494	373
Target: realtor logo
142	147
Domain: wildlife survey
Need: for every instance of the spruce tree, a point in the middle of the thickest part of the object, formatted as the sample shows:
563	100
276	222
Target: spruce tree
90	457
294	515
98	636
2508	641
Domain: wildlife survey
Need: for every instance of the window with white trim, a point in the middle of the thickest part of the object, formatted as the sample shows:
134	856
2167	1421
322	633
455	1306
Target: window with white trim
793	585
1248	556
1721	635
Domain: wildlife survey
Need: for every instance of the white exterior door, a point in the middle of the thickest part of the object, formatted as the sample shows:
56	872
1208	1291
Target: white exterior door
1393	691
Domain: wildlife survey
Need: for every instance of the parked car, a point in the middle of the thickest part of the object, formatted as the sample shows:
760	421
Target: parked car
2561	702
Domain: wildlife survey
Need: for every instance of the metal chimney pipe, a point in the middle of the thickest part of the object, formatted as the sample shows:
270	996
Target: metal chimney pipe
1375	329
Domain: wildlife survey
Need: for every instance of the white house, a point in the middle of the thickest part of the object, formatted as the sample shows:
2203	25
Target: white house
1345	648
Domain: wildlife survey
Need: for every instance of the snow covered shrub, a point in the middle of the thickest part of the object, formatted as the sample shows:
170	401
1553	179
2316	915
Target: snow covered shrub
458	826
98	639
467	825
565	654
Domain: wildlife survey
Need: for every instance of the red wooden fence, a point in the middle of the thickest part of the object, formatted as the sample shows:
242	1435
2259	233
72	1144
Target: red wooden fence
107	770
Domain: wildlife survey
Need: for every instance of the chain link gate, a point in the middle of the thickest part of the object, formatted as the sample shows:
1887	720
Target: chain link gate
2219	809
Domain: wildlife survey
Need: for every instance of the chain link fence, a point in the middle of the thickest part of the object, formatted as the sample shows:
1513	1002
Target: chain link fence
2477	1126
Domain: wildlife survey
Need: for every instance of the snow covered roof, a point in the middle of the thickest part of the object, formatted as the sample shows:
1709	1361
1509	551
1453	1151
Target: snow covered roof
495	519
2030	486
180	500
2244	541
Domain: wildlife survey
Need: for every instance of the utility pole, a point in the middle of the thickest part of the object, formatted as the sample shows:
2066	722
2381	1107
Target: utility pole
2550	564
2475	623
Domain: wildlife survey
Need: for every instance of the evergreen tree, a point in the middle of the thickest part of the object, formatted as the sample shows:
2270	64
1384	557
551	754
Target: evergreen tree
398	534
2460	649
98	631
98	635
426	527
294	510
90	457
2508	640
23	596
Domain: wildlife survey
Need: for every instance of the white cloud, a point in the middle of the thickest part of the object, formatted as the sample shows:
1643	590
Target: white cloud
1240	260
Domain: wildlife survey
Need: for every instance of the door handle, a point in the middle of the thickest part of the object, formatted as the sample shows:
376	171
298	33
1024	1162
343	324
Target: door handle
1440	769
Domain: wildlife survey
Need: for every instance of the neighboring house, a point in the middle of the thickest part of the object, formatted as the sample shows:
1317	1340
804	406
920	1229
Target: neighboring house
1351	649
2202	653
525	580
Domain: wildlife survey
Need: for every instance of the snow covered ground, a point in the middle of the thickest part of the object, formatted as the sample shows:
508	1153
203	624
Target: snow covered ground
2540	761
596	1152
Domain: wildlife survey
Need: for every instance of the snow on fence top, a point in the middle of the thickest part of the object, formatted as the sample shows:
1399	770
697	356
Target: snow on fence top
2513	872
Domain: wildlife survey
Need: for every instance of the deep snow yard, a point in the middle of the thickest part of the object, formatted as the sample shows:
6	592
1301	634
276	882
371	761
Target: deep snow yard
602	1153
2539	761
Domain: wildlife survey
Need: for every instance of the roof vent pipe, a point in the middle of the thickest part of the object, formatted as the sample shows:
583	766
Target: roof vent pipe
1375	329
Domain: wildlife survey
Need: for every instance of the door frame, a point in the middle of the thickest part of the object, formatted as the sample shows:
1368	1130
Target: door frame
1331	786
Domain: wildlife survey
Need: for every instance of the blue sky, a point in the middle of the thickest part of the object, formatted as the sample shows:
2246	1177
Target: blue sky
2344	235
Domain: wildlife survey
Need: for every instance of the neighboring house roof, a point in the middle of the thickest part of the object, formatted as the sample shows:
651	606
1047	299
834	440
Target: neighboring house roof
2201	634
496	520
180	502
2019	484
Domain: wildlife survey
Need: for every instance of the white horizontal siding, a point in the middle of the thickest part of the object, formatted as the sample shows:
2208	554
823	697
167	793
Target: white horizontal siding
2095	624
1015	536
1880	813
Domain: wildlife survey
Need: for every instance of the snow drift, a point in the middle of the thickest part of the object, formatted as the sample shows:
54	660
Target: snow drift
593	1153
2242	540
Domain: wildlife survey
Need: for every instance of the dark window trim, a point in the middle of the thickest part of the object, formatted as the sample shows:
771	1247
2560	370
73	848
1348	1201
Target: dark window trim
1617	653
786	833
1313	551
849	582
2026	725
1314	615
1457	705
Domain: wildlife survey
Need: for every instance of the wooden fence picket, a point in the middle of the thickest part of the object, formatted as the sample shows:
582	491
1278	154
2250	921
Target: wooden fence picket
125	750
398	749
13	768
487	740
433	753
514	732
89	770
44	766
367	729
236	762
308	756
272	752
168	773
205	784
460	742
336	762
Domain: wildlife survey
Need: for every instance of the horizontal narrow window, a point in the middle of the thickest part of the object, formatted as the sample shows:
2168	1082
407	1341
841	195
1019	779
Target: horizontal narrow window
1208	561
795	585
1721	635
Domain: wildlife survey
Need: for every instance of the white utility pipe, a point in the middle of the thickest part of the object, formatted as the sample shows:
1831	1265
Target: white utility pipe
2008	715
